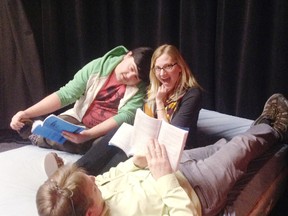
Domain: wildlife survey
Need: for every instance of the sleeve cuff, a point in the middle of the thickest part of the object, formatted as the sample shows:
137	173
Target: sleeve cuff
167	183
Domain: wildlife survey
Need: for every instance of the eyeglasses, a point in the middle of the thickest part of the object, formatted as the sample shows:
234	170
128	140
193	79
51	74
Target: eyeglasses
166	68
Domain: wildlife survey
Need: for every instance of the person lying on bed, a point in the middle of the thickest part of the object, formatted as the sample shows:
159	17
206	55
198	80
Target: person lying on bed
107	92
148	186
174	95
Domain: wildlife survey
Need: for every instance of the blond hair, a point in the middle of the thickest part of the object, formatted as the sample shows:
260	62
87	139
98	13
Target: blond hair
63	193
187	79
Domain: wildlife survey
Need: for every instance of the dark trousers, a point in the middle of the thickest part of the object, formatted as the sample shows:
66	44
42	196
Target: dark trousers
98	156
101	156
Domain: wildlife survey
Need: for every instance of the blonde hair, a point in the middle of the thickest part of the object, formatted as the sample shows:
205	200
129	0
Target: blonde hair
63	193
187	79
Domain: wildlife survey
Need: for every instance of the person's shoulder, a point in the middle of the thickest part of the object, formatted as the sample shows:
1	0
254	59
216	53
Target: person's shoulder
118	50
193	91
193	94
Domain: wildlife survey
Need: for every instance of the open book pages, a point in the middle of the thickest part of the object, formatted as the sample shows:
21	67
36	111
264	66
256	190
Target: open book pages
122	138
134	139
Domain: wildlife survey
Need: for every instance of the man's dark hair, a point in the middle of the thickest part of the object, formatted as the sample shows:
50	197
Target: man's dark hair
142	57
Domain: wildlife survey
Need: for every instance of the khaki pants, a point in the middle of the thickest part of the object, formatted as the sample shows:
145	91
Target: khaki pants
213	170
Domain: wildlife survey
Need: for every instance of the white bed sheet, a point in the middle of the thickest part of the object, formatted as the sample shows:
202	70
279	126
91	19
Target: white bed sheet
21	174
22	171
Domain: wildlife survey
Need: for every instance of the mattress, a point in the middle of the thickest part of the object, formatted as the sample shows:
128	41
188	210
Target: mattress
21	174
22	171
257	192
212	126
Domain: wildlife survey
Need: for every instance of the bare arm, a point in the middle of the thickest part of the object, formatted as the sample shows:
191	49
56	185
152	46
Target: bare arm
161	96
47	105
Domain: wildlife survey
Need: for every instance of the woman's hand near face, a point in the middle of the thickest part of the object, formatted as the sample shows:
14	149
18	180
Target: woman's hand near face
161	96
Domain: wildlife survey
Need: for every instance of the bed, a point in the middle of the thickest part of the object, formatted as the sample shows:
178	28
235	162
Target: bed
22	172
266	178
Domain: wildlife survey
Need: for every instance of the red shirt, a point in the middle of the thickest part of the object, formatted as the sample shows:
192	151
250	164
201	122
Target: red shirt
106	103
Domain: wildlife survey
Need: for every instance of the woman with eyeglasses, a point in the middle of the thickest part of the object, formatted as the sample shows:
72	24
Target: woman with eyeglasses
174	94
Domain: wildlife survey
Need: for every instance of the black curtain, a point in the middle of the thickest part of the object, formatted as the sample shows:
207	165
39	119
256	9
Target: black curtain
238	50
21	81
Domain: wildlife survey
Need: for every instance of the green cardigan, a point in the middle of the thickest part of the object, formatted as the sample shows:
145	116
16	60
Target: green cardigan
88	81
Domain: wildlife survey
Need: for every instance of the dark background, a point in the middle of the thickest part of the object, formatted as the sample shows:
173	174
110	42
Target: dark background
238	50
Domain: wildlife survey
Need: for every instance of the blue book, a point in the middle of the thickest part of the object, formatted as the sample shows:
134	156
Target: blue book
52	127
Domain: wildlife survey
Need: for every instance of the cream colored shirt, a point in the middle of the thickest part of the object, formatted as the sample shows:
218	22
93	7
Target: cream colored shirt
128	190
